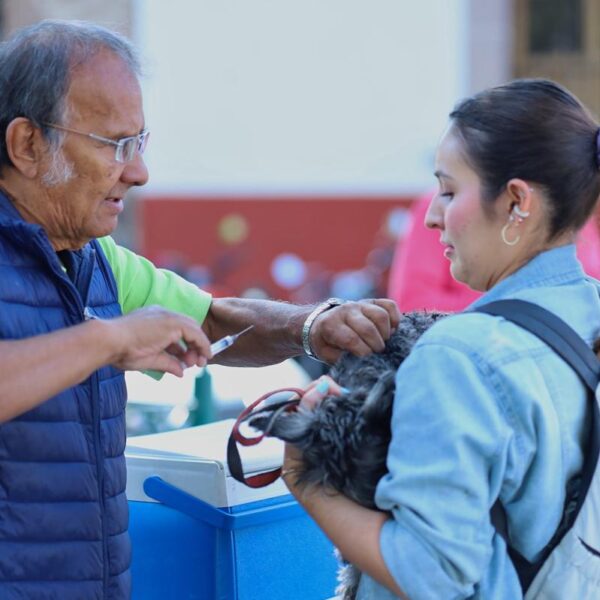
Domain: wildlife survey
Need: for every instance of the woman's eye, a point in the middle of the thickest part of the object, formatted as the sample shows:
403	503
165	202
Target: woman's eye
447	195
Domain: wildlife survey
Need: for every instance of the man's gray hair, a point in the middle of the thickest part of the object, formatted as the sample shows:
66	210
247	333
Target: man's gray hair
35	71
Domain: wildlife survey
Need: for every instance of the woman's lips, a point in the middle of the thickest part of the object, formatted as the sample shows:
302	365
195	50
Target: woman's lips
449	252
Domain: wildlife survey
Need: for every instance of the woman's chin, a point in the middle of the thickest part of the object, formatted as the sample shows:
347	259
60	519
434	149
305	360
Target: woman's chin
459	274
456	272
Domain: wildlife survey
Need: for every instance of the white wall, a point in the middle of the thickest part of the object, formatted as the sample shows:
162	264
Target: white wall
298	96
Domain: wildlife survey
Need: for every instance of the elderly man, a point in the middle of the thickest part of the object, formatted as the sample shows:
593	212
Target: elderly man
76	310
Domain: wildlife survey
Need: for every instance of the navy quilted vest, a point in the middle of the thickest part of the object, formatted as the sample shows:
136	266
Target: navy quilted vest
63	511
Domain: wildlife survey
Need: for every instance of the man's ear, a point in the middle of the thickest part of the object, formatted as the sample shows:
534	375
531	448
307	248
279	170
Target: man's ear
25	146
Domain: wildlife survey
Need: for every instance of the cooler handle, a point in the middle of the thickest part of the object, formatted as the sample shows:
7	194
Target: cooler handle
179	500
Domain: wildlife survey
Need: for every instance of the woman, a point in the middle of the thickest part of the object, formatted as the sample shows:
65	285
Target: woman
483	409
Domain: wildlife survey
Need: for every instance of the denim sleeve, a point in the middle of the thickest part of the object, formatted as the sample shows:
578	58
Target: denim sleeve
446	464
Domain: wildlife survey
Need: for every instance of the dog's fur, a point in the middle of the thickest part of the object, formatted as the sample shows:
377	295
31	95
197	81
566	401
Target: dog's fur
344	441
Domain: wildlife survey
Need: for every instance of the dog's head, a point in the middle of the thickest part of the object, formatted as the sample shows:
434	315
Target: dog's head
344	440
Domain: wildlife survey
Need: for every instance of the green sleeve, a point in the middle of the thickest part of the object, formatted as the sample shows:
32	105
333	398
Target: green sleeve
140	284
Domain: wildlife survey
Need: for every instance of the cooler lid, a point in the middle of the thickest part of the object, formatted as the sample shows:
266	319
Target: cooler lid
195	460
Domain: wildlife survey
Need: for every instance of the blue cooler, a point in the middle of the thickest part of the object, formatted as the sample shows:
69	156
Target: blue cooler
199	534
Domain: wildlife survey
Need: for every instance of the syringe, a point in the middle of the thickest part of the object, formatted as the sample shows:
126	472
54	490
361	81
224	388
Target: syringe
227	341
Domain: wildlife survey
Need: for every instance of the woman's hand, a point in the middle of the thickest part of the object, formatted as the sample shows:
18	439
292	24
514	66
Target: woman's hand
313	396
318	390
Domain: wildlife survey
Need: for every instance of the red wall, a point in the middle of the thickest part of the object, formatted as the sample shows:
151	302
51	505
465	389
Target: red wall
330	234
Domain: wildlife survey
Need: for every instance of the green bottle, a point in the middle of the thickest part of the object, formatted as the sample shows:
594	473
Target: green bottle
203	408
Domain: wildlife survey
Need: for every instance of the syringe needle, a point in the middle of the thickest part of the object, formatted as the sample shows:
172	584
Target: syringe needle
237	335
227	341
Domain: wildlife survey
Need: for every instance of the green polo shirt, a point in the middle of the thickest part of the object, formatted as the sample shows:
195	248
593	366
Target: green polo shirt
140	284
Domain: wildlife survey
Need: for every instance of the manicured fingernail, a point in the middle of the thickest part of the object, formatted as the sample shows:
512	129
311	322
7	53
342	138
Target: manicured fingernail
322	387
344	390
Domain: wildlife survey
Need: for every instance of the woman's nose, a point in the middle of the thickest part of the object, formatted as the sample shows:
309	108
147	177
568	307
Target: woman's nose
434	217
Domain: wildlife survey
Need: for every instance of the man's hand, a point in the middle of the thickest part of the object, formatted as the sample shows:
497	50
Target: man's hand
156	338
358	327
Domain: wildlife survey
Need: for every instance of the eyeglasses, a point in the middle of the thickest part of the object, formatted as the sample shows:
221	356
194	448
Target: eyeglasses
125	148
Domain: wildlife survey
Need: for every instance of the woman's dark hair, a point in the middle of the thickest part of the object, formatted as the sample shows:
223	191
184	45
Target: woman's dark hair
536	130
36	66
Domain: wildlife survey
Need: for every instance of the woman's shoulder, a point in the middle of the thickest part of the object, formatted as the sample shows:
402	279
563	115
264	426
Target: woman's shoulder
477	334
459	326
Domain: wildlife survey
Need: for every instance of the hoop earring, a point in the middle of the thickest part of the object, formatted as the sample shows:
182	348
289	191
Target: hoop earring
516	216
505	239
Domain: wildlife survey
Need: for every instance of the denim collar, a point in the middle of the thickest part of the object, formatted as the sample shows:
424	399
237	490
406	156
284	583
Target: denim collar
551	267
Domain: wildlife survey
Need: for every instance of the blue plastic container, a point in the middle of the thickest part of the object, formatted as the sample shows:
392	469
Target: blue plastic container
199	534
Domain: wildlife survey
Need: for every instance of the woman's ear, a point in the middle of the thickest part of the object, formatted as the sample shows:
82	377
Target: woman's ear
520	197
25	146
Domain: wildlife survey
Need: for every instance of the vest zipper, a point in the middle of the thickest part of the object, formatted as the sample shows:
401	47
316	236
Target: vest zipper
82	283
79	300
97	421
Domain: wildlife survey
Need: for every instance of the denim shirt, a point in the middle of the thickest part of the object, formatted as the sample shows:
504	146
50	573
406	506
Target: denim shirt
484	409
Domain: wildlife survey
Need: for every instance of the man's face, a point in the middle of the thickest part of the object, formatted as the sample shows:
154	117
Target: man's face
105	99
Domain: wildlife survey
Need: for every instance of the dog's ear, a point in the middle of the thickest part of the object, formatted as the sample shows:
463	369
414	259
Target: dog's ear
289	427
378	402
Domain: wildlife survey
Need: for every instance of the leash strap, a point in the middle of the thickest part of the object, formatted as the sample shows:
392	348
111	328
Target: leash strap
236	437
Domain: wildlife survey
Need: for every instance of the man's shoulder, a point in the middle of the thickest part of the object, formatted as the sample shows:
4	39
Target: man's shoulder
107	244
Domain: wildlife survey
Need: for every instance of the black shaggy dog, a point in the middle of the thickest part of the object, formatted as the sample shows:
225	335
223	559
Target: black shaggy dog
344	441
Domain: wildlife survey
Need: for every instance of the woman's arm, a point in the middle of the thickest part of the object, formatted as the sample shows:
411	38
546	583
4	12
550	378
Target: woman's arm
354	529
434	538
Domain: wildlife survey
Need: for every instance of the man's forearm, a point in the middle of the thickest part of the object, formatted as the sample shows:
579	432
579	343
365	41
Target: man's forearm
36	368
276	335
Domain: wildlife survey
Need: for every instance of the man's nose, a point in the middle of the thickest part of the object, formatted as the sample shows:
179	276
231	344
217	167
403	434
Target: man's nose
135	171
434	217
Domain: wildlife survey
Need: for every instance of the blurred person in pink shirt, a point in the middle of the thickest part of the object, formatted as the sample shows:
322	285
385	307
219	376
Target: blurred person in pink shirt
420	276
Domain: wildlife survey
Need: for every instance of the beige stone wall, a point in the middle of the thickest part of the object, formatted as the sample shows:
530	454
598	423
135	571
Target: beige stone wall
114	14
579	71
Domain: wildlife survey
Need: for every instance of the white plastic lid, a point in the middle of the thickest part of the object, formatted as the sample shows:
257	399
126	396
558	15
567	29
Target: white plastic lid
194	460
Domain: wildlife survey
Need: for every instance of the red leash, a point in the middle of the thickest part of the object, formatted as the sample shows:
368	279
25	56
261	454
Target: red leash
237	437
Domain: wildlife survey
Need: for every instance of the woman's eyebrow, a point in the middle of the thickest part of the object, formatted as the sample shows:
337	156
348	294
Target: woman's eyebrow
442	175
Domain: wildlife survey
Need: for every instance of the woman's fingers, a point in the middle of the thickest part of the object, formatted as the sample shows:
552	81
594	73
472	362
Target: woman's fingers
318	390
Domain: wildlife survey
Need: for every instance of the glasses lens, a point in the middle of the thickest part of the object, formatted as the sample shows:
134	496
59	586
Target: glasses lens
119	152
129	148
143	141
